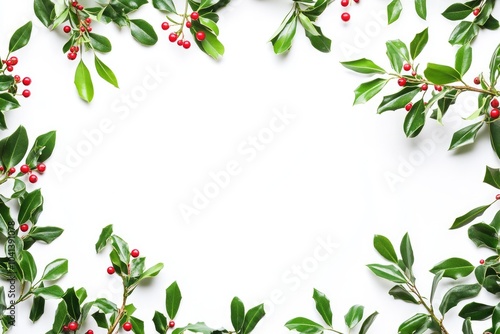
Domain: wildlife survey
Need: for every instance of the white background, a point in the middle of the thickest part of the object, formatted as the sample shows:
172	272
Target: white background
324	177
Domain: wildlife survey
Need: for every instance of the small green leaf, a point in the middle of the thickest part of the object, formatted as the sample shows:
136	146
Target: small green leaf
413	324
467	327
397	52
167	6
21	37
37	308
55	270
453	268
456	294
385	248
137	325
72	303
469	216
83	82
363	65
153	271
15	148
435	282
394	11
399	292
6	81
418	43
354	316
323	306
367	90
143	32
60	317
105	72
282	41
99	43
441	74
421	8
415	120
173	299
463	59
48	142
308	25
399	99
103	238
476	311
389	272
30	206
494	67
210	45
160	322
367	323
492	177
210	24
465	136
8	102
320	42
106	306
252	318
483	235
237	313
28	266
457	12
304	326
53	291
407	251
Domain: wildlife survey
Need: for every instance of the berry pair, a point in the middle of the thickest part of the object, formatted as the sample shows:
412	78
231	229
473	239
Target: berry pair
345	15
495	112
134	253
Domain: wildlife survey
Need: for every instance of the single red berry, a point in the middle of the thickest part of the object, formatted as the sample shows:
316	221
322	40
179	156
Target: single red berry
82	29
195	16
79	7
127	326
438	88
14	60
481	261
424	87
65	328
200	35
186	44
9	63
356	1
2	169
25	169
165	25
33	178
27	81
89	29
497	197
88	20
180	42
344	3
402	82
408	106
407	67
89	332
172	37
26	93
71	56
24	227
345	17
494	113
188	24
111	270
73	326
41	167
77	48
134	253
494	103
476	11
413	73
171	324
12	170
17	78
67	29
74	3
10	68
477	81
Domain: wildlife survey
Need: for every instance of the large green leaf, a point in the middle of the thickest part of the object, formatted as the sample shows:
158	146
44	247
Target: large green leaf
143	32
456	294
492	177
399	99
320	42
483	235
453	268
385	248
252	318
167	6
415	120
441	74
399	292
463	59
43	11
495	66
28	266
173	299
397	52
413	324
211	44
15	148
469	216
465	136
464	33
304	326
21	37
323	306
407	251
83	82
421	8
494	128
237	313
418	43
72	303
367	90
100	43
365	326
476	311
105	72
354	316
8	102
457	12
30	206
37	308
160	322
55	270
282	41
103	238
363	65
394	9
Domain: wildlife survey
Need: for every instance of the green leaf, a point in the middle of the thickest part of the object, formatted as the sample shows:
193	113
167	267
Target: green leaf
421	8
467	327
494	128
153	271
320	42
415	120
173	299
435	282
48	142
72	303
7	103
494	67
105	72
399	99
485	13
28	266
121	248
100	319
252	318
29	206
476	311
463	59
21	37
323	306
15	148
413	324
210	45
210	24
60	317
143	32
6	81
199	327
367	323
46	234
492	177
167	6
385	248
53	291
363	65
394	11
55	270
495	223
465	136
399	292
407	251
160	322
282	41
418	43
137	325
397	52
464	33
103	238
457	12
456	294
469	216
237	313
354	316
37	308
308	25
483	235
99	43
106	306
367	90
304	326
83	82
43	11
389	272
453	268
441	74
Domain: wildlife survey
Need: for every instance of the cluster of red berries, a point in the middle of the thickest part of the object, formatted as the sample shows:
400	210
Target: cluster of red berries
76	5
25	169
495	112
345	15
73	52
10	63
174	37
73	326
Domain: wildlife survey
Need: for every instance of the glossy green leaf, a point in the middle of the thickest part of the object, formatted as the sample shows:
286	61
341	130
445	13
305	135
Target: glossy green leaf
48	142
494	128
209	24
37	308
389	272
476	311
121	248
83	82
363	65
365	326
467	327
453	268
137	325
143	32
418	43
464	33
494	67
495	223
282	40
153	271
465	136
323	306
28	266
441	74
320	42
30	206
160	322
307	24
492	177
367	90
399	99
6	81
43	11
103	238
15	148
399	292
483	235
21	37
100	319
354	316
237	313
435	282
491	23
199	327
407	251
46	234
413	324
385	248
421	8
485	12
211	45
394	9
456	294
55	270
415	120
72	303
463	59
167	6
173	299
469	216
100	43
60	317
397	52
106	306
252	318
105	72
457	12
304	326
49	292
8	102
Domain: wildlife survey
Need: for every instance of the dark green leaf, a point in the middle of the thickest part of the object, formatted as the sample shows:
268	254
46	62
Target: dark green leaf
453	268
43	11
15	148
476	311
60	317
160	322
53	291
491	23
457	12
367	323
354	316
8	102
465	136
143	32
137	325
103	238
105	72
252	318
415	120
494	128
29	207
237	313
413	324
399	99
167	6
320	42
407	251
100	319
323	306
367	90
28	266
363	65
46	234
469	216
83	82
435	282
441	74
467	327
48	142
385	248
72	303
106	306
37	308
483	235
418	43
397	52
456	294
99	43
6	81
389	272
304	326
492	177
399	292
173	299
463	59
494	67
394	9
21	37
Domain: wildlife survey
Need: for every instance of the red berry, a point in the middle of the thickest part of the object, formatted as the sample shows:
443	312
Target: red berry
134	253
71	56
356	1
188	24
476	11
89	29
402	82
111	270
477	81
481	261
438	88
12	170
41	167
165	25
494	103
26	93
413	73
88	20
74	3
171	324
497	197
89	332
77	48
67	29
25	169
10	68
345	17
200	35
73	326
186	44
33	178
24	227
14	60
27	81
65	328
82	29
2	169
172	37
494	113
9	63
407	67
180	42
344	3
17	78
195	16
79	7
408	106
127	326
424	87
